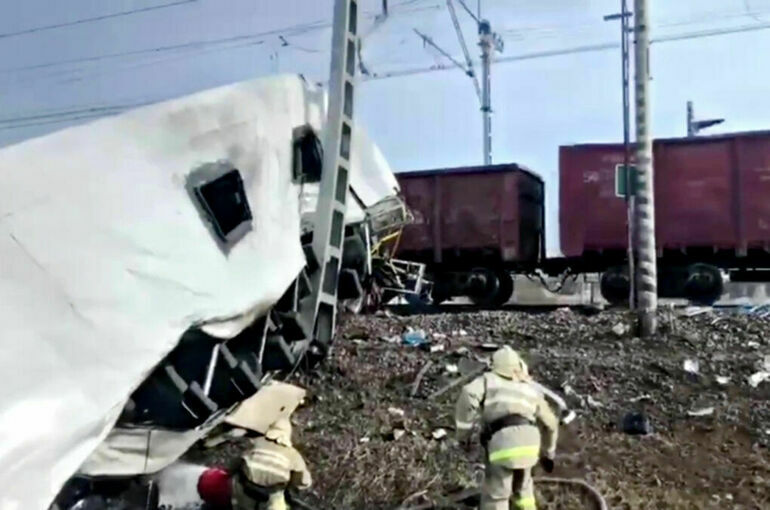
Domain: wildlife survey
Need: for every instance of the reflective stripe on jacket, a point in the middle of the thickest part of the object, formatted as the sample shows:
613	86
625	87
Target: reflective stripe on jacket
269	464
491	396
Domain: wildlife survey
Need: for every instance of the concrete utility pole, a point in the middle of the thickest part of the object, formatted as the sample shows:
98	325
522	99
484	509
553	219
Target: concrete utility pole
647	271
486	41
625	46
489	42
329	227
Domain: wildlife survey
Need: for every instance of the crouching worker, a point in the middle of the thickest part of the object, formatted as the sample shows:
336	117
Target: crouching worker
510	409
265	471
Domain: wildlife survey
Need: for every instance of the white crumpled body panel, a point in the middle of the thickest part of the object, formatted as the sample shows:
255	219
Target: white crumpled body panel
104	261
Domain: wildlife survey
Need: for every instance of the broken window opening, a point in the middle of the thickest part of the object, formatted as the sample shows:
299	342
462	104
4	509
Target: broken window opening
308	156
224	201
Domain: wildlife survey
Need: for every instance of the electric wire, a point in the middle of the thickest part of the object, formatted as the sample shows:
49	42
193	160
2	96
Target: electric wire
94	19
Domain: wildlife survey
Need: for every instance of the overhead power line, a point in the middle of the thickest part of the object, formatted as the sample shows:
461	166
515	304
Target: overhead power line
95	18
571	51
71	112
57	121
291	30
146	51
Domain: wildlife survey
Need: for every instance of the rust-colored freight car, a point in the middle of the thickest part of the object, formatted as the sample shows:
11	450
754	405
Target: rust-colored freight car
473	226
712	199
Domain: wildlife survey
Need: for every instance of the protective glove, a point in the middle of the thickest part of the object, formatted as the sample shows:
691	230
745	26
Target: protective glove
547	464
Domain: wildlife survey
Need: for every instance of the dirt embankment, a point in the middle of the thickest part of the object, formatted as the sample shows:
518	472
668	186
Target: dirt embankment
371	445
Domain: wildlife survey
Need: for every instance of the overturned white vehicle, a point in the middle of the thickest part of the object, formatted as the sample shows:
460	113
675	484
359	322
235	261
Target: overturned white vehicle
151	273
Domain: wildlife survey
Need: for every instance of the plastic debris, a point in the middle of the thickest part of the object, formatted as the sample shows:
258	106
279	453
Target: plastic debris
414	338
757	378
692	311
691	366
451	368
439	434
439	336
592	402
636	424
489	346
461	351
646	396
437	348
723	379
759	310
398	434
395	411
704	411
620	329
364	439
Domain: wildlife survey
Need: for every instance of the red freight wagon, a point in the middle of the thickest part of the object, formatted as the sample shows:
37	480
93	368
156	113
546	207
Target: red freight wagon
712	200
473	226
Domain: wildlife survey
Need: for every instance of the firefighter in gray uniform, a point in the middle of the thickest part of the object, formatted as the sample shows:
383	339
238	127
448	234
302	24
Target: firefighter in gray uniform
512	412
267	469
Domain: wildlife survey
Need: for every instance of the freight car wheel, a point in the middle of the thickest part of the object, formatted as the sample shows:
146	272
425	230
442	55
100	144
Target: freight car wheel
504	288
615	285
704	284
495	289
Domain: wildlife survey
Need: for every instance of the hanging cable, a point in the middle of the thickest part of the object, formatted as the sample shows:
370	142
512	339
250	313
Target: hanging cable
95	18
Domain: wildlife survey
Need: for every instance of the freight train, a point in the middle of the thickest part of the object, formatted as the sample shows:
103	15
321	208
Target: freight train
475	226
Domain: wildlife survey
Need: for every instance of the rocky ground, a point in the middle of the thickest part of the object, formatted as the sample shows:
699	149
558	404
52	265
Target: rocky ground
372	445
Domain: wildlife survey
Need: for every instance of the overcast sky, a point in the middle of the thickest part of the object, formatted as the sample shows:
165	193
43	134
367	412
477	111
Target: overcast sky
421	121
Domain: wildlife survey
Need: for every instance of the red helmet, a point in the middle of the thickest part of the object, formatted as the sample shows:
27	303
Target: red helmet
214	487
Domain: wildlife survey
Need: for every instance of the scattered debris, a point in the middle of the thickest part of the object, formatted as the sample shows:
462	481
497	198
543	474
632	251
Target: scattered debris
592	402
723	379
395	411
461	351
357	386
636	424
414	338
620	329
691	366
439	336
704	411
364	439
762	311
451	368
488	346
439	434
757	378
436	348
462	380
692	311
418	379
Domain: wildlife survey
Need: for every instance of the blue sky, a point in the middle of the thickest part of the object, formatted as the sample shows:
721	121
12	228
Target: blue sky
421	121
